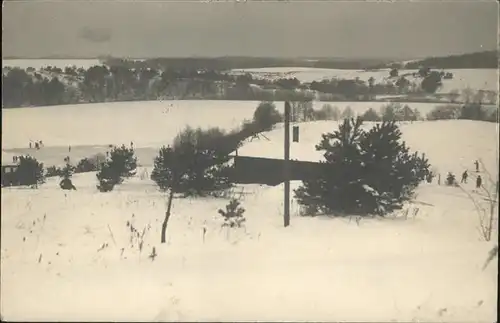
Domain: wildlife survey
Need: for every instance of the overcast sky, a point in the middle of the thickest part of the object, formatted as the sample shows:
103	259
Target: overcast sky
313	29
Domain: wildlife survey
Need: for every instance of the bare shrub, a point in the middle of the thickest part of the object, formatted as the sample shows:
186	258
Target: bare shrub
53	171
327	112
444	112
90	164
487	214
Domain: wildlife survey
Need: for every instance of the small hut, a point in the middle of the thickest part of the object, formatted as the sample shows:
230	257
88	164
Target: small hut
10	163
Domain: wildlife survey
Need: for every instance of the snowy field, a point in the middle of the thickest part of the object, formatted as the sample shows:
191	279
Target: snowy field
147	124
61	63
476	79
72	256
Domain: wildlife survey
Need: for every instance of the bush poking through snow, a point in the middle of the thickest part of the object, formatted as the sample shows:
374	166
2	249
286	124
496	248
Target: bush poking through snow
90	164
107	178
365	172
53	171
430	177
121	164
492	254
233	215
451	180
66	174
309	210
30	171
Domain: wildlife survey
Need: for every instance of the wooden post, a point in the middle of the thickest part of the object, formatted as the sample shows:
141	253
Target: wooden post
286	167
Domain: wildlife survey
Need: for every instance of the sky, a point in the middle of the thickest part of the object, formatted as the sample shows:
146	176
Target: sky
347	29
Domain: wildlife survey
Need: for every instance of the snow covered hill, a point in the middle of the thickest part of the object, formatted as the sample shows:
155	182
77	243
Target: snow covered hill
74	255
146	123
475	79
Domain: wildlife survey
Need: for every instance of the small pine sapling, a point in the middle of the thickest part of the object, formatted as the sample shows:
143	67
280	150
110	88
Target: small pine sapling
66	174
107	178
233	215
450	179
153	254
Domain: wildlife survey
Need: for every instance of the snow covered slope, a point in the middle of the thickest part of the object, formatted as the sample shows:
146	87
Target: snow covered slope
147	124
476	79
73	255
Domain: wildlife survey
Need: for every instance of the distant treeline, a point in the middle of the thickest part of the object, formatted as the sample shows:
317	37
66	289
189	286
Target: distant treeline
190	79
55	86
486	59
229	63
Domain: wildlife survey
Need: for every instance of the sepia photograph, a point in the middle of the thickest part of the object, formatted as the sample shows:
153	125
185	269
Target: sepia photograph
249	160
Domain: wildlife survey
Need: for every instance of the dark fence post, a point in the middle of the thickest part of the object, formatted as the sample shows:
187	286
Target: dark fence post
286	168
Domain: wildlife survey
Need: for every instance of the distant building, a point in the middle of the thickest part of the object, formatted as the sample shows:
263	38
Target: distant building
10	164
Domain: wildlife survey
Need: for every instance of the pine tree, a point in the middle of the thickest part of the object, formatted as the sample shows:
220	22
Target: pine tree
336	188
365	172
197	163
123	160
30	171
166	172
121	164
389	168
